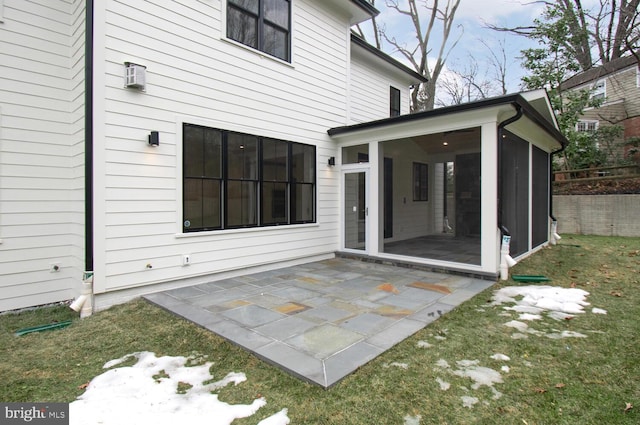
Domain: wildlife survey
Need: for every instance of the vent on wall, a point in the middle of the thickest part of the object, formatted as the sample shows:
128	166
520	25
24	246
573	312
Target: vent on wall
134	75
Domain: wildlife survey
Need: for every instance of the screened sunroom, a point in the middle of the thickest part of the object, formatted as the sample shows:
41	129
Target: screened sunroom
442	187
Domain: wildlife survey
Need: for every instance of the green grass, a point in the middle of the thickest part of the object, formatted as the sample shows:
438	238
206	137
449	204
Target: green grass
565	381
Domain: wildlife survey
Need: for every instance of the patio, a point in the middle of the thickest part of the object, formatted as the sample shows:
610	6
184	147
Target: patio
321	321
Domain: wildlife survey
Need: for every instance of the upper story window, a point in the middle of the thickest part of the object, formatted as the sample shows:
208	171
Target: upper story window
599	90
394	102
264	25
587	125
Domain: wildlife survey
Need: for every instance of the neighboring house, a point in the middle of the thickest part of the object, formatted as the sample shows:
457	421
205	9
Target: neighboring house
153	145
617	83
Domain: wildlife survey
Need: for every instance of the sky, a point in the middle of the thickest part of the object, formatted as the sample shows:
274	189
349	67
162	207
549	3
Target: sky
472	16
170	390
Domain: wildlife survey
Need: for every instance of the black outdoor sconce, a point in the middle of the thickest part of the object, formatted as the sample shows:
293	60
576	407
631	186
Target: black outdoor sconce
154	138
332	161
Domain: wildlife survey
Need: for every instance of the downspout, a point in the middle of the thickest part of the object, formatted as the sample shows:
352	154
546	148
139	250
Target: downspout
84	303
554	237
505	259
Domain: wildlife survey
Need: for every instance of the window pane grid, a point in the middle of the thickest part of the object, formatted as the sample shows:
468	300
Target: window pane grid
261	24
234	180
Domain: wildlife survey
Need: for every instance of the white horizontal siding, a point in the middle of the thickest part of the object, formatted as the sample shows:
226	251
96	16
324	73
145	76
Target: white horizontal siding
370	86
40	134
194	75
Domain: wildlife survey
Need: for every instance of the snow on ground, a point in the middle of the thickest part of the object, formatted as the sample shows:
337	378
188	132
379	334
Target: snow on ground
480	375
396	364
468	401
424	344
536	299
532	301
444	385
412	420
162	390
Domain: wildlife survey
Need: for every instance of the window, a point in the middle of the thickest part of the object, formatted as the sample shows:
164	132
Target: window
638	76
235	180
586	125
599	90
394	102
261	24
420	182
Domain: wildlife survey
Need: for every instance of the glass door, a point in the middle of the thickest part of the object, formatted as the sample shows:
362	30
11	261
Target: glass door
355	210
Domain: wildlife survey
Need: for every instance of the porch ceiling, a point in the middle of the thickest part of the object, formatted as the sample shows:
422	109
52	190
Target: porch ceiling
449	141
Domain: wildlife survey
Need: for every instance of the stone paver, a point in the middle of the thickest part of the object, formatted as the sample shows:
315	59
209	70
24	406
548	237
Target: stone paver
321	321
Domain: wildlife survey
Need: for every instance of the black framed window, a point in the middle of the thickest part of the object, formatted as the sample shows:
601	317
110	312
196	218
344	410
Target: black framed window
420	181
233	180
242	180
394	102
303	177
275	182
202	186
261	24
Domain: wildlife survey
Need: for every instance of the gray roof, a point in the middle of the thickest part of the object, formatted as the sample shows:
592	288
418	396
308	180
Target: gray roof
516	99
385	57
597	72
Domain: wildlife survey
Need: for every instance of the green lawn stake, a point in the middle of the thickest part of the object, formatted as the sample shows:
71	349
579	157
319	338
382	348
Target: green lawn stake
49	327
529	278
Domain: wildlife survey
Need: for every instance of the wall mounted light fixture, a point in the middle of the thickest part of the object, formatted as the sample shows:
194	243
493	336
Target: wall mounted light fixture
154	138
332	161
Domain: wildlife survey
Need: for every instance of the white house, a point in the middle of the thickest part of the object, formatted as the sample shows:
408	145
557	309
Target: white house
158	144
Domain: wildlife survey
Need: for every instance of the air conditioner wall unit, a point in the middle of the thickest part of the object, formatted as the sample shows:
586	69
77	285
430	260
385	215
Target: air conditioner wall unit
135	76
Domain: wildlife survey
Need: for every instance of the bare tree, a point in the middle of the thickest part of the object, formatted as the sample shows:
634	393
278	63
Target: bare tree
439	14
612	27
376	31
463	85
498	62
467	83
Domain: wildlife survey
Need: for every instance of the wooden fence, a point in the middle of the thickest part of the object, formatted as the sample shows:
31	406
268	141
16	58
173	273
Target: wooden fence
596	174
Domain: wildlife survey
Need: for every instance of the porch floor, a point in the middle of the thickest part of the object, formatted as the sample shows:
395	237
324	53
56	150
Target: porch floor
321	321
438	247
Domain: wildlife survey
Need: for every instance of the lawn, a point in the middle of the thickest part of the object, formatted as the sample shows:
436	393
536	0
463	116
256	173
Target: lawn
573	380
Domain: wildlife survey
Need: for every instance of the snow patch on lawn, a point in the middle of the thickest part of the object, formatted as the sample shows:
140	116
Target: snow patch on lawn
531	302
396	364
444	385
412	420
543	297
162	390
468	401
500	356
479	374
424	344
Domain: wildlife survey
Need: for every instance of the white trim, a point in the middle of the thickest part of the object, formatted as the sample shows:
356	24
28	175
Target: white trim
99	150
638	76
354	169
0	142
599	88
490	241
230	127
587	122
258	52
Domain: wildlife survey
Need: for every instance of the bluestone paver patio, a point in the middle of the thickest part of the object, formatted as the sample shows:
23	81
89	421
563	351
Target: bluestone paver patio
321	321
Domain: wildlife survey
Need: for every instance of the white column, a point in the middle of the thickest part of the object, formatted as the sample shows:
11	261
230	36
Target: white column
490	243
374	199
